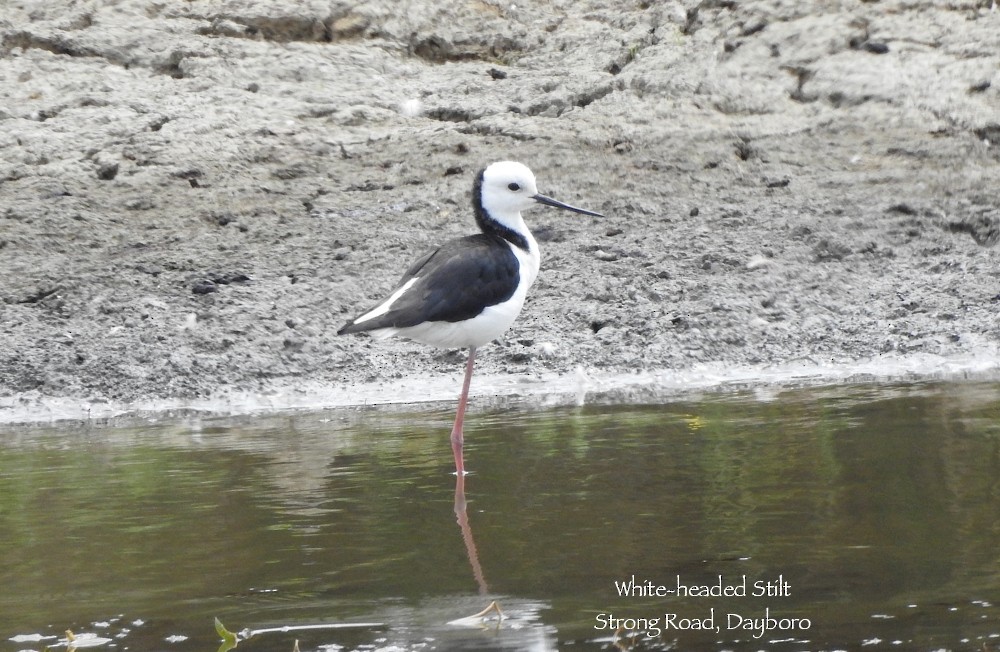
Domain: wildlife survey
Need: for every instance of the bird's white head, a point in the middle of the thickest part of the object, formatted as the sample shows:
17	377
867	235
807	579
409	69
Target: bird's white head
507	188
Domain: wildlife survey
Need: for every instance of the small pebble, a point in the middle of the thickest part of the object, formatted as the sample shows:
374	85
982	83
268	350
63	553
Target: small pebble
204	287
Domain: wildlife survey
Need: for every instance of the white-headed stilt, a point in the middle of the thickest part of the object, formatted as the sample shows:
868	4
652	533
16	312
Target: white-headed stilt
468	292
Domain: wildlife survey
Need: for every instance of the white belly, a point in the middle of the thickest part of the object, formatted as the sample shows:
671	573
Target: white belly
482	329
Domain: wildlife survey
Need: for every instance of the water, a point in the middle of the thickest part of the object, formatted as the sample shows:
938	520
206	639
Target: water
870	513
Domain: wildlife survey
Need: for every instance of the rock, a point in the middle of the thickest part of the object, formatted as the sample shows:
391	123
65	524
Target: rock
204	287
107	171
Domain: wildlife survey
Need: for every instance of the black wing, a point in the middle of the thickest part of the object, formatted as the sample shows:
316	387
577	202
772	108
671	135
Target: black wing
456	282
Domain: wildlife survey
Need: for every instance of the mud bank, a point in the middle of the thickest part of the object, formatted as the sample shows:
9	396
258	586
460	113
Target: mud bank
195	196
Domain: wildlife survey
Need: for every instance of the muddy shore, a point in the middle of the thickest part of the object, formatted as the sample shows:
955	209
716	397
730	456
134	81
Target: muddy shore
195	196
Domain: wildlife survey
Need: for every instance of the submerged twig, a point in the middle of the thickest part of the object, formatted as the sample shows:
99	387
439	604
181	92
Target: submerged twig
247	633
230	639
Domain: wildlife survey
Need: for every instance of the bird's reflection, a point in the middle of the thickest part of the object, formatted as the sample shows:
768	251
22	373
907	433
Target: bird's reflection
462	517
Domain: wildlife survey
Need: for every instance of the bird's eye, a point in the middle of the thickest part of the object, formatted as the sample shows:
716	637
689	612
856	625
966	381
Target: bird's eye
513	187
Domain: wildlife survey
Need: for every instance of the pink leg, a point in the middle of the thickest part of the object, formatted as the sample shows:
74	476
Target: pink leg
456	431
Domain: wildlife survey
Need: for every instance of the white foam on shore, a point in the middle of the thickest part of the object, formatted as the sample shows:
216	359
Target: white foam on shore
582	386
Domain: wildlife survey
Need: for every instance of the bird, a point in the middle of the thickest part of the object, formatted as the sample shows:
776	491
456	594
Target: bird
470	290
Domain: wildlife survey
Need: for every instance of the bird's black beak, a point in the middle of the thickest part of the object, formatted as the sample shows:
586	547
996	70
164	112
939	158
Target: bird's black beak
548	201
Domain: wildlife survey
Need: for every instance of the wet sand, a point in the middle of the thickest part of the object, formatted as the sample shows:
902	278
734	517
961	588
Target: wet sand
195	196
